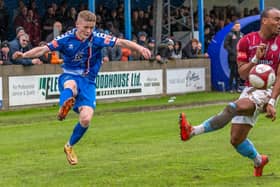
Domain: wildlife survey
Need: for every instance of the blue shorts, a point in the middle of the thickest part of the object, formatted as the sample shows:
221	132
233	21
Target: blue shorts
86	95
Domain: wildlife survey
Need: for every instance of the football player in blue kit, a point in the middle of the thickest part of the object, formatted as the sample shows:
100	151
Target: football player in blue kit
81	51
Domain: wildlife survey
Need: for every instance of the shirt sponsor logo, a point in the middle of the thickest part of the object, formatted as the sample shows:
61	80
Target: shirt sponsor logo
264	61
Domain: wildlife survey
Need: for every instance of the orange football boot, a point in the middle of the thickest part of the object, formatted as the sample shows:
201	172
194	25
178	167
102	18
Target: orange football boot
185	127
258	170
65	108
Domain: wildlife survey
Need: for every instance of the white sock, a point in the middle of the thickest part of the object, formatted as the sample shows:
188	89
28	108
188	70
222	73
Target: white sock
68	144
258	160
198	130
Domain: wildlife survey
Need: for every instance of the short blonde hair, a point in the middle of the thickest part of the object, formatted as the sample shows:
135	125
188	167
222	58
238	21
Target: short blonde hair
87	16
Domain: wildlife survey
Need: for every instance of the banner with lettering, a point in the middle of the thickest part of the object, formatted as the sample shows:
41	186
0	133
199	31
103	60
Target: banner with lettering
128	83
185	80
38	89
26	90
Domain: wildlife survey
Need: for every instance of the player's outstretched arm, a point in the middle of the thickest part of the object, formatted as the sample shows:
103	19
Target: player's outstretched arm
33	53
134	46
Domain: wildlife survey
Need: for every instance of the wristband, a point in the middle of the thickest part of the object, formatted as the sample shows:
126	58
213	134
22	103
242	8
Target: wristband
272	102
254	60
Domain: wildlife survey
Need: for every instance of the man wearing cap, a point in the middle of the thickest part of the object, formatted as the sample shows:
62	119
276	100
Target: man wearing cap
142	38
5	55
165	50
19	31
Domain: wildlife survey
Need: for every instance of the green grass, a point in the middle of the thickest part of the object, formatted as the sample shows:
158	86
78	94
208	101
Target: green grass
31	114
130	149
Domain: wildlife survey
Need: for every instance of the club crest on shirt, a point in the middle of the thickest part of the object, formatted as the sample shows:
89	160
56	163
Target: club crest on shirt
78	56
274	47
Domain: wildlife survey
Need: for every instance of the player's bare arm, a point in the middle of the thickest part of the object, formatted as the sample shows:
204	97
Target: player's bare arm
245	67
33	53
270	108
134	46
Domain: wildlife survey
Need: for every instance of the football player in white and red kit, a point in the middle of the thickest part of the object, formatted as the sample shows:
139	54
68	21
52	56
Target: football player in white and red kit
254	48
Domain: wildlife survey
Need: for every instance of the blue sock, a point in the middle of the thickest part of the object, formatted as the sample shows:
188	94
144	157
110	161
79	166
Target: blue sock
220	120
247	149
64	95
207	126
77	134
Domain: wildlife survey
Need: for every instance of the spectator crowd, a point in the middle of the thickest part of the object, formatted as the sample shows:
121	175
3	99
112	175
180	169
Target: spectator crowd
31	30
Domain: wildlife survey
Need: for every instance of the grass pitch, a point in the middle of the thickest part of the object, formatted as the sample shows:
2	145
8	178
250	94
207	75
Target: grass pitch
131	148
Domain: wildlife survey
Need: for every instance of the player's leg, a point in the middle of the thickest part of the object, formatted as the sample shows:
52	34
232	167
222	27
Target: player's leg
213	123
85	105
246	148
68	91
81	127
241	125
243	106
79	130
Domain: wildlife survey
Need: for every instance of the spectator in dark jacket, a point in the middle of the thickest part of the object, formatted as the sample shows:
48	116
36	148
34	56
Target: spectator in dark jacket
152	47
22	45
5	54
165	51
230	44
192	49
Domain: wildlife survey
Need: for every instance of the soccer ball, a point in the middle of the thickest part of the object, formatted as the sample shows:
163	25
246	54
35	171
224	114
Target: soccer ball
262	76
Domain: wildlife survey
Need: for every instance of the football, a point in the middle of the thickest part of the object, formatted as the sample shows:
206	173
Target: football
262	76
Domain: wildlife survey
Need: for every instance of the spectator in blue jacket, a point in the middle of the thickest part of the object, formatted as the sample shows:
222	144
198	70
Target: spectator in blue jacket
22	45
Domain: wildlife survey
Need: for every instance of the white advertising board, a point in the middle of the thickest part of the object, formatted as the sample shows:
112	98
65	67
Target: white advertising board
1	93
185	80
37	89
128	83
